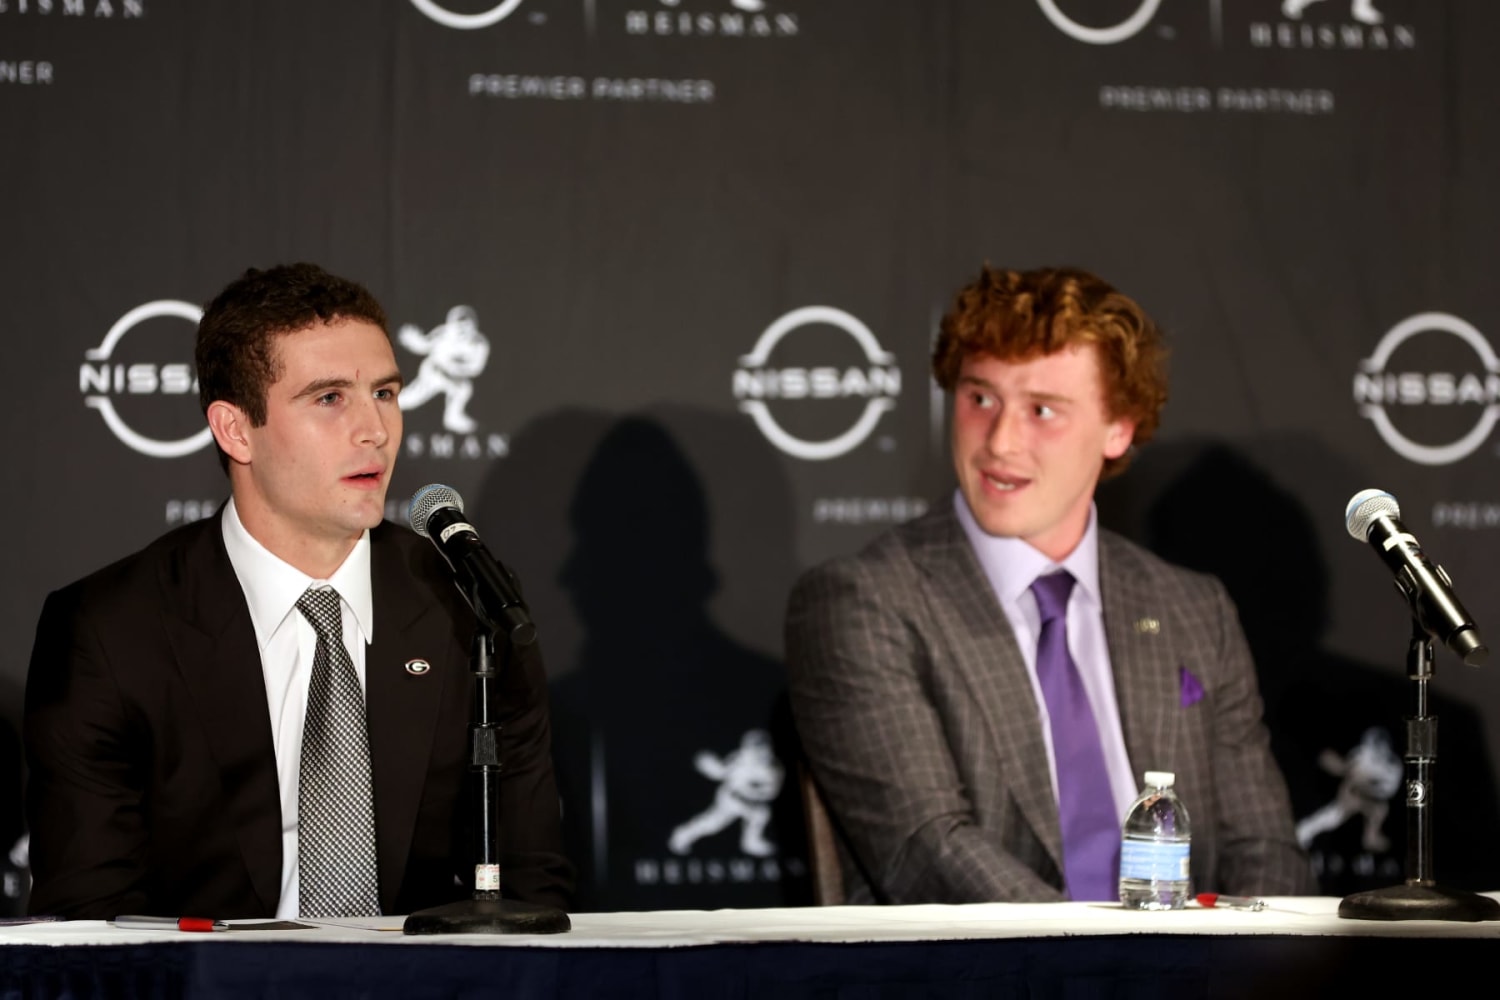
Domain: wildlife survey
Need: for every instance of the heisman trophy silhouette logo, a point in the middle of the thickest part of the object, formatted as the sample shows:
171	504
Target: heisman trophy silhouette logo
750	5
1361	10
454	354
749	779
1369	775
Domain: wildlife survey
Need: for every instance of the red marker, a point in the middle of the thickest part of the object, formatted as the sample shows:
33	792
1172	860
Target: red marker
1214	899
171	924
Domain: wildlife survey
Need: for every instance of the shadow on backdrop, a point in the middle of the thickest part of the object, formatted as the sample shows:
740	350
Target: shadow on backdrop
671	733
1336	722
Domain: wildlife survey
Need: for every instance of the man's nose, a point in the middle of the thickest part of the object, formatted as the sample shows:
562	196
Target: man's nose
1005	431
373	422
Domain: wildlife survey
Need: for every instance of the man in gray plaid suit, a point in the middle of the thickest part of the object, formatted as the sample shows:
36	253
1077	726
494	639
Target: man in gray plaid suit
979	691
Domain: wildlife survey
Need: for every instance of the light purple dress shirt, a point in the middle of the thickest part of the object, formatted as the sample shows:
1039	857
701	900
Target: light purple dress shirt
1011	565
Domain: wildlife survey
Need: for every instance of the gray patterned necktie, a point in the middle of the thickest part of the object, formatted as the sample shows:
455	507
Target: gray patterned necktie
336	870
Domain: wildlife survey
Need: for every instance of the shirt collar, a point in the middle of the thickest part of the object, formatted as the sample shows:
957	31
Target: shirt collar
1012	564
273	586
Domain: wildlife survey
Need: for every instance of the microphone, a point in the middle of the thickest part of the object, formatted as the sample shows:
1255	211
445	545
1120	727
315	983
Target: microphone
437	512
1374	516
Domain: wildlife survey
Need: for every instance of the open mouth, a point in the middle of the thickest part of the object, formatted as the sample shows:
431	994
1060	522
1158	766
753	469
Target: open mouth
1004	484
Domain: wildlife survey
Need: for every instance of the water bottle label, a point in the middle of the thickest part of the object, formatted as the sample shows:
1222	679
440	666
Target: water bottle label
1153	861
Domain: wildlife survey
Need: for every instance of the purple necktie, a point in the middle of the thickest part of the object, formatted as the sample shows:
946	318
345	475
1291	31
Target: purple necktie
1085	803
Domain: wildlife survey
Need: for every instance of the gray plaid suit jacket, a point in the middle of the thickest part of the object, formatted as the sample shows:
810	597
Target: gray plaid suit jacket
918	720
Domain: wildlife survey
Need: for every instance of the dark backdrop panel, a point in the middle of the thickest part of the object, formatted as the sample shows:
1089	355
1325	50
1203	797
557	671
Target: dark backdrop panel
583	217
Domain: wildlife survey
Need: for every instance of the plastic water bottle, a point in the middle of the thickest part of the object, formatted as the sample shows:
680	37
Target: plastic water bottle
1154	854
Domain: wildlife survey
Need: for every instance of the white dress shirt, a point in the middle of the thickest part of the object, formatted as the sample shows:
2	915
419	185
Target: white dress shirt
286	642
1011	566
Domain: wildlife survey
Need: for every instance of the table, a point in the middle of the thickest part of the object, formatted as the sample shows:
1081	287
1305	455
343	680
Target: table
1296	947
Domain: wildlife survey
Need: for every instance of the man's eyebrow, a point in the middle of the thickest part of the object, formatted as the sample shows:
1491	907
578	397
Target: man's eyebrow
1050	397
1045	397
319	386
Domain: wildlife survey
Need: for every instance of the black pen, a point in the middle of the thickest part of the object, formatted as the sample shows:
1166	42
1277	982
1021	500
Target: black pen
171	924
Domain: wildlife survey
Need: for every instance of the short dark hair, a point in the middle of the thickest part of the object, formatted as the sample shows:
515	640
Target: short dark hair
1019	315
235	351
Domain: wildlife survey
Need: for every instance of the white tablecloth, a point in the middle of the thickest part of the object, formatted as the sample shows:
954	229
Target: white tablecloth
838	924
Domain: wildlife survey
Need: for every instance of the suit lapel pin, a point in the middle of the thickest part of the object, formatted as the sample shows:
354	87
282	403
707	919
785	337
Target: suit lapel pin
1147	626
417	667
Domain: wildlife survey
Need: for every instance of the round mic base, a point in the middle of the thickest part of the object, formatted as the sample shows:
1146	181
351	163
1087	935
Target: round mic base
1413	901
488	916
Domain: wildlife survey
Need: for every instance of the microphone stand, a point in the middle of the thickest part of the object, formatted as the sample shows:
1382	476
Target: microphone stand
486	912
1419	897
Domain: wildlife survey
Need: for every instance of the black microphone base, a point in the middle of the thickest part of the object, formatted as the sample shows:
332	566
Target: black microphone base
488	916
1413	901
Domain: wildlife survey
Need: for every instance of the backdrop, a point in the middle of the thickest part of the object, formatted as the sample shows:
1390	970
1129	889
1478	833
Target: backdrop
663	276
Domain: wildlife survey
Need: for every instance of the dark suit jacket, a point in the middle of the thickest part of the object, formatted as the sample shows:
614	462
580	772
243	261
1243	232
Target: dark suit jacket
917	715
153	783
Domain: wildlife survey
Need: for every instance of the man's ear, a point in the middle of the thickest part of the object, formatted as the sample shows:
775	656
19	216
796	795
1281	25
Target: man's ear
231	429
1117	439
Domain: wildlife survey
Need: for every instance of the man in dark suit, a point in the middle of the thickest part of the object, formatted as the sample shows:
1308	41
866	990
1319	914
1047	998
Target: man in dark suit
979	691
265	713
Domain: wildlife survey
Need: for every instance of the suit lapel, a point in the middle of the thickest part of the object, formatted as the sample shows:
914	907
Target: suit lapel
990	664
208	625
1147	682
403	707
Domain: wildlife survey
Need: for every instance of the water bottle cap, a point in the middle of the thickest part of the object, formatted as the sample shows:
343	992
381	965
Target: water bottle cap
1160	779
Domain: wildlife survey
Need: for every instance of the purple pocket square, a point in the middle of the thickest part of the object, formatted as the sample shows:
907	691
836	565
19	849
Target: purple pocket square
1192	687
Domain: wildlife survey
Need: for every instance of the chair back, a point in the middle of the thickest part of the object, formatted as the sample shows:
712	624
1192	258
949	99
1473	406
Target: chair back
822	843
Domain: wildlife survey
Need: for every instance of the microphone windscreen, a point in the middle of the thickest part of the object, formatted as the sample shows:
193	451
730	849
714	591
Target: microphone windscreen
427	500
1364	507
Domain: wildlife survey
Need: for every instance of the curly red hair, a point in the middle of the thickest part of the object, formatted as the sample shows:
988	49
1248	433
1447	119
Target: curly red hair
1018	315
